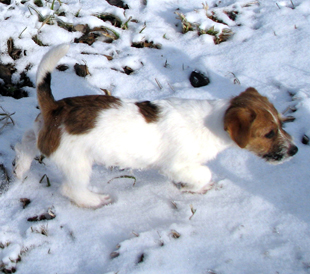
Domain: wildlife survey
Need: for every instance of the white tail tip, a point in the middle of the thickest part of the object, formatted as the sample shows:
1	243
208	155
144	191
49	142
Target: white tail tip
50	60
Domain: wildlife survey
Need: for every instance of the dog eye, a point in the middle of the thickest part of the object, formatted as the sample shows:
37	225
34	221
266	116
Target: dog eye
270	134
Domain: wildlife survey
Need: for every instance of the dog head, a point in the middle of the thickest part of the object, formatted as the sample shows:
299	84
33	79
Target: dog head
253	123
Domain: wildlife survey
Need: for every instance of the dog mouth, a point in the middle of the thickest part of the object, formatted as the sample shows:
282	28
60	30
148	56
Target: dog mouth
280	155
273	157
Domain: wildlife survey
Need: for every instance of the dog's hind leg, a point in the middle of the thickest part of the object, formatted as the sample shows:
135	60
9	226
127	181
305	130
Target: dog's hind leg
77	175
25	153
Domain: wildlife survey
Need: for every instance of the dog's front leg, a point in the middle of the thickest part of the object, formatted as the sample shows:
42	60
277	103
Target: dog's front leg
192	178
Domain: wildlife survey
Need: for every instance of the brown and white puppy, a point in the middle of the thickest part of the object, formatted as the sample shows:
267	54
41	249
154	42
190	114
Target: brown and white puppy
177	137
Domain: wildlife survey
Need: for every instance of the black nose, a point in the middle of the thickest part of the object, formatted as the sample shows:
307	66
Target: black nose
293	150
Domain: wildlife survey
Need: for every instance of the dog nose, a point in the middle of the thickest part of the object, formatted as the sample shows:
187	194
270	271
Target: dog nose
292	150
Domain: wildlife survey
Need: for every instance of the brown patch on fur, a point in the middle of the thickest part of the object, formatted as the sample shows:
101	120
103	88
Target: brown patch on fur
45	96
76	115
149	111
49	136
81	112
254	123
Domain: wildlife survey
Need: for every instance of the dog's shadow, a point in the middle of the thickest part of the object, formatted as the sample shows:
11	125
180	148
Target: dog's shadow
281	185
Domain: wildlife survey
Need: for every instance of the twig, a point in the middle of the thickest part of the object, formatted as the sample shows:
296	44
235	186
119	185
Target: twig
47	180
158	83
250	4
125	25
174	205
236	80
193	210
171	87
7	118
126	177
135	233
144	26
19	36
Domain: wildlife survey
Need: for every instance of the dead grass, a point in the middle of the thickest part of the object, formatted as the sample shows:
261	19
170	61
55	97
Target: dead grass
49	215
216	15
236	80
48	183
174	234
193	210
146	44
43	230
124	177
6	118
219	37
36	39
109	17
186	25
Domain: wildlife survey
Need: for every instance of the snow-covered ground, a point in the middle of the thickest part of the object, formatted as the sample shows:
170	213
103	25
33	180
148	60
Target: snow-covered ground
256	219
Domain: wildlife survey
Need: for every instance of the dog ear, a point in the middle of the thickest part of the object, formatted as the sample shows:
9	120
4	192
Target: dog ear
237	122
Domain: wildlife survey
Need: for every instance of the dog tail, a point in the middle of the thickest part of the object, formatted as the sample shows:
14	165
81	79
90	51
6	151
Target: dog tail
44	93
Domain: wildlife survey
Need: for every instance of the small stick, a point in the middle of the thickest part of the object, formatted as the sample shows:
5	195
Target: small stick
158	83
193	210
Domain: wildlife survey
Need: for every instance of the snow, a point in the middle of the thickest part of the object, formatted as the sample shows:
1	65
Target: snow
256	218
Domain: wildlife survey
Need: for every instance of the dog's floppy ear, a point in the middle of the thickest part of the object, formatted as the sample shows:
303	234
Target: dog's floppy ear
237	122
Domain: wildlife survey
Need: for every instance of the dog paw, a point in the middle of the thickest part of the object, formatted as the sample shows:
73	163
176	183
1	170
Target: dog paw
86	198
18	172
98	201
93	201
202	190
187	188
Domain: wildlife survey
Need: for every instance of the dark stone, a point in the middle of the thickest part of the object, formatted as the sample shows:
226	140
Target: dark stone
128	70
198	79
7	2
62	67
305	140
118	3
81	70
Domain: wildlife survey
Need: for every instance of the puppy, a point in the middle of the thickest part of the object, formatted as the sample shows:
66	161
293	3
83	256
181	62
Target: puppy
175	136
